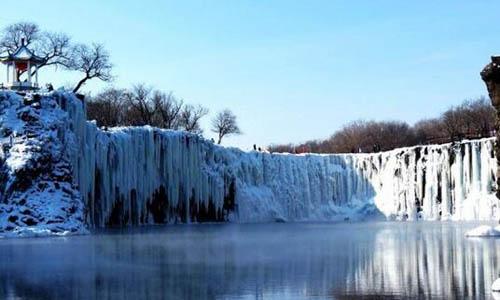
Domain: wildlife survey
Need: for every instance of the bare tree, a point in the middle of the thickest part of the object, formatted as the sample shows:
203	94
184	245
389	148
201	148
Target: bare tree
190	117
481	117
142	105
52	47
92	61
140	111
225	124
283	148
351	138
430	131
15	34
107	108
454	123
168	110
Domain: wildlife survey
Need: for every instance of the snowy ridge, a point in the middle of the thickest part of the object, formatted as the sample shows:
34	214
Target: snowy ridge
146	175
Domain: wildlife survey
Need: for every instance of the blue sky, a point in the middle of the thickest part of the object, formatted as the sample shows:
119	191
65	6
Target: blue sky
290	70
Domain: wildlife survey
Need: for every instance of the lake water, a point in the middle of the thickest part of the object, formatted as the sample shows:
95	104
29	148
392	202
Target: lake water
254	261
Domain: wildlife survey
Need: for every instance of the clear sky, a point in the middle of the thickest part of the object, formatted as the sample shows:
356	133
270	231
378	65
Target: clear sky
290	70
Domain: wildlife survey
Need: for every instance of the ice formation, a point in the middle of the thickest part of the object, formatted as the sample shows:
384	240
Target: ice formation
145	175
484	231
496	285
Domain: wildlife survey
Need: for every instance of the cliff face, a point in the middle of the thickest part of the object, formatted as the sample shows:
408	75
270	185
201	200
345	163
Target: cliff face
491	77
56	164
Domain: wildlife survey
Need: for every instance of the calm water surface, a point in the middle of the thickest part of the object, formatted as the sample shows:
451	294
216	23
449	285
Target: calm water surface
265	261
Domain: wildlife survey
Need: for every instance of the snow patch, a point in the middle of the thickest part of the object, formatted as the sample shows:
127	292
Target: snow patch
496	286
484	231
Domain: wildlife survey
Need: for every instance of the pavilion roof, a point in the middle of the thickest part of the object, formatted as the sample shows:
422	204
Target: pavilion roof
23	53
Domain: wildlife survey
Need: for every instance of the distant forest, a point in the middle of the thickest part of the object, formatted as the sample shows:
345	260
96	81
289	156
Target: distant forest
470	120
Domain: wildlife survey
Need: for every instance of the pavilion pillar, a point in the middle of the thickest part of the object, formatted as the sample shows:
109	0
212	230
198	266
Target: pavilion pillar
14	75
36	75
29	72
491	76
8	69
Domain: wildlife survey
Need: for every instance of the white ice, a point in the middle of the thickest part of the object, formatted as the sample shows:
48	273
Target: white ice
484	231
496	286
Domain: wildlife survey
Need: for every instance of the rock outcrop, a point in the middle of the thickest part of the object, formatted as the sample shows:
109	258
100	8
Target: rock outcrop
491	76
37	192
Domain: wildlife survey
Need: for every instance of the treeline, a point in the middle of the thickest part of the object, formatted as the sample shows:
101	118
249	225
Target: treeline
472	119
143	105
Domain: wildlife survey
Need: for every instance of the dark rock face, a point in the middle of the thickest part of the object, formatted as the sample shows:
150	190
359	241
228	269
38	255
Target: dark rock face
38	195
491	76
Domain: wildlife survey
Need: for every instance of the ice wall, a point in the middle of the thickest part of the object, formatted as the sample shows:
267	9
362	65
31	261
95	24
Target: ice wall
146	175
436	182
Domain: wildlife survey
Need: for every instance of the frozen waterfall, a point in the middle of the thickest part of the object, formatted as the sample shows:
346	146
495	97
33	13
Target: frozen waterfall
142	175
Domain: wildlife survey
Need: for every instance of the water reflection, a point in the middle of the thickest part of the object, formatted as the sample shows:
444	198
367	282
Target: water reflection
277	261
427	261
